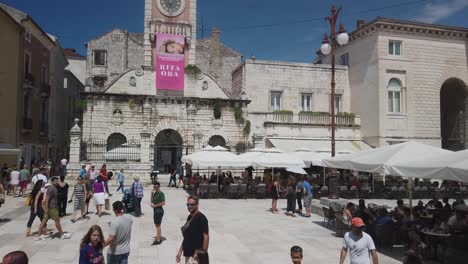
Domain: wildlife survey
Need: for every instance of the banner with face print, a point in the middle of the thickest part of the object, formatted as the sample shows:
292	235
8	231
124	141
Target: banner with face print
170	62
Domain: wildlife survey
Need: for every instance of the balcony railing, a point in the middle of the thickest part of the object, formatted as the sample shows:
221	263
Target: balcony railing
27	123
45	90
318	119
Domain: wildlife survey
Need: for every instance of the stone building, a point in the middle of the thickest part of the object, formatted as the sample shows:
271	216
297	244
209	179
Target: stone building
129	122
408	81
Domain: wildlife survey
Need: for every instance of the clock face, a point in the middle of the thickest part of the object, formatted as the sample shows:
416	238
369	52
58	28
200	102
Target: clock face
171	7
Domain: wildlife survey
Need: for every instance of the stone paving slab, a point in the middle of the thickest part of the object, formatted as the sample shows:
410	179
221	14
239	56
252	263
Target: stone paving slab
241	231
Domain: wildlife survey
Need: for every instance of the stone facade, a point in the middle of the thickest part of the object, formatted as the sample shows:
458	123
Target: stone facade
429	56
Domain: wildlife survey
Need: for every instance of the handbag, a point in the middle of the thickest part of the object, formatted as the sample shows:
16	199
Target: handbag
27	202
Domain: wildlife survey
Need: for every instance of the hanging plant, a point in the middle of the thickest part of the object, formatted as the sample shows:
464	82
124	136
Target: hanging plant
246	130
217	109
238	115
80	105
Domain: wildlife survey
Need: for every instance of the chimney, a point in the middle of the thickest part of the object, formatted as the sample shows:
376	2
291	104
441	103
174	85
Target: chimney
215	58
360	23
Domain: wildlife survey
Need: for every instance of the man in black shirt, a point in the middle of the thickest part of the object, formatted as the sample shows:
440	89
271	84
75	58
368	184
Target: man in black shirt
195	231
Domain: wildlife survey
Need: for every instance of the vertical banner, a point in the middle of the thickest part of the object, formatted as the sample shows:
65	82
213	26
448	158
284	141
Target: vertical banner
170	62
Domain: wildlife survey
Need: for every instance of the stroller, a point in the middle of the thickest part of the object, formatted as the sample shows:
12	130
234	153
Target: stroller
127	200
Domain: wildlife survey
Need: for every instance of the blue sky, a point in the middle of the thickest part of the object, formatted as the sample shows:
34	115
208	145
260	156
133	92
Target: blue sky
289	30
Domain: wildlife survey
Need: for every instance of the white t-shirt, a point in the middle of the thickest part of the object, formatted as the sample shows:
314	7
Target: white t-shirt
64	162
359	247
93	174
15	177
38	177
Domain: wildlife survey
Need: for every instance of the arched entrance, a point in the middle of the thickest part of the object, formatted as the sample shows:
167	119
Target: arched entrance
453	95
217	140
167	150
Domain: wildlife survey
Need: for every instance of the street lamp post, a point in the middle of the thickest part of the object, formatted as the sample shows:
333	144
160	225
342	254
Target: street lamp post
329	45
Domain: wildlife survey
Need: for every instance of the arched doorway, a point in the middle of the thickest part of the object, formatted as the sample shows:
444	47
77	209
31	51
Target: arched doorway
167	150
453	95
217	140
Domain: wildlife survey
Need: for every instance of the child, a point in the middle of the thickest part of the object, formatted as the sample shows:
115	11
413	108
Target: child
91	246
296	255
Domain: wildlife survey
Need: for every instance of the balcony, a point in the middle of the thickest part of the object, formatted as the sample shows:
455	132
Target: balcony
45	90
44	128
29	78
312	118
27	124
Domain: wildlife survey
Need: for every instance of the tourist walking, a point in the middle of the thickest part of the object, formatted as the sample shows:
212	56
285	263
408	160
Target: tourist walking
360	244
274	195
291	197
93	173
40	175
62	196
172	178
35	204
79	192
296	255
299	194
181	176
308	196
195	231
14	180
24	179
91	246
51	210
120	231
83	172
89	194
120	178
157	202
105	178
98	195
137	195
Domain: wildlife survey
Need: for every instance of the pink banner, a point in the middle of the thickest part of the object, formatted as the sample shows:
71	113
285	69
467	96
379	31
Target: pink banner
170	62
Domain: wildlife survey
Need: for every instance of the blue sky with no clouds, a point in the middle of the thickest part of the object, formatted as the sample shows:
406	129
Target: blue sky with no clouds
289	30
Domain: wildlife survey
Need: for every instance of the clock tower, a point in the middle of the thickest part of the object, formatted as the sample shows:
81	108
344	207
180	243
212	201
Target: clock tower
177	17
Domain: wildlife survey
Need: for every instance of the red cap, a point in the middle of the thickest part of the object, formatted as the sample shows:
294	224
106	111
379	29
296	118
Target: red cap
357	222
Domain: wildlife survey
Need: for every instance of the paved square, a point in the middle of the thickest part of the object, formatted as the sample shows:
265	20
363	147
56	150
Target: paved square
241	231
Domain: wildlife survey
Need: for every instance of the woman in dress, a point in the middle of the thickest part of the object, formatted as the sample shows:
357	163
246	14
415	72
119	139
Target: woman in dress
348	213
98	194
91	246
14	180
62	196
35	204
79	192
274	195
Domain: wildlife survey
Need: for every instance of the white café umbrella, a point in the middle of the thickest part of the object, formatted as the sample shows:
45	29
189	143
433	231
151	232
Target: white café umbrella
452	166
274	158
214	158
297	170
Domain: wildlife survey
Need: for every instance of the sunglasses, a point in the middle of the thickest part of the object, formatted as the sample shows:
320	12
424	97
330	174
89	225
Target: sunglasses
191	204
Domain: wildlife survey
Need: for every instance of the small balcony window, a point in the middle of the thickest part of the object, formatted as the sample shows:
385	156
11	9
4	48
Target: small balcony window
306	100
394	47
275	101
100	58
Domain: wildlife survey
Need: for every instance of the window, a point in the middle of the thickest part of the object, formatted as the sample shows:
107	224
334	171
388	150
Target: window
275	101
115	140
26	106
44	74
100	57
338	104
27	63
306	100
394	47
99	81
27	36
344	59
394	96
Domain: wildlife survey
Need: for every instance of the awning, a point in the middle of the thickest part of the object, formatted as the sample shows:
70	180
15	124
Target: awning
7	149
319	145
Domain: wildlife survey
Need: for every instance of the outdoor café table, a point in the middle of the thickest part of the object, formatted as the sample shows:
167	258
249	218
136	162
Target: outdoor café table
436	238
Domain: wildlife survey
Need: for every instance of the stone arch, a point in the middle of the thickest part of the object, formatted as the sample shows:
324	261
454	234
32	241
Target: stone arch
115	140
217	140
168	150
168	124
453	113
112	129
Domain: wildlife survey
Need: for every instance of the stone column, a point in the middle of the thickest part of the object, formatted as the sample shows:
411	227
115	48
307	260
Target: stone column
75	147
145	144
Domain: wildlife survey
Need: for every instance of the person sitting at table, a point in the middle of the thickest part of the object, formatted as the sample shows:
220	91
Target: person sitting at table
212	178
457	222
446	202
347	213
430	204
204	179
383	217
364	213
419	208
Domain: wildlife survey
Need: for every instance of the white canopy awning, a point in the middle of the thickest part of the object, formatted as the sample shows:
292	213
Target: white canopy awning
214	158
381	160
318	145
451	166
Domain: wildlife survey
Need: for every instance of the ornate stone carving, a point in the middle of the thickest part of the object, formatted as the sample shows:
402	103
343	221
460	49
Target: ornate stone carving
132	81
139	71
217	123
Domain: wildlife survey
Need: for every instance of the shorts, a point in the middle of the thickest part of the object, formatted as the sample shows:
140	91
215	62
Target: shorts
24	184
158	215
308	201
53	214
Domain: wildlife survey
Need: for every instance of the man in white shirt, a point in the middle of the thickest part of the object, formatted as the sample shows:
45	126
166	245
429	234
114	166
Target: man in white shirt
360	245
40	176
